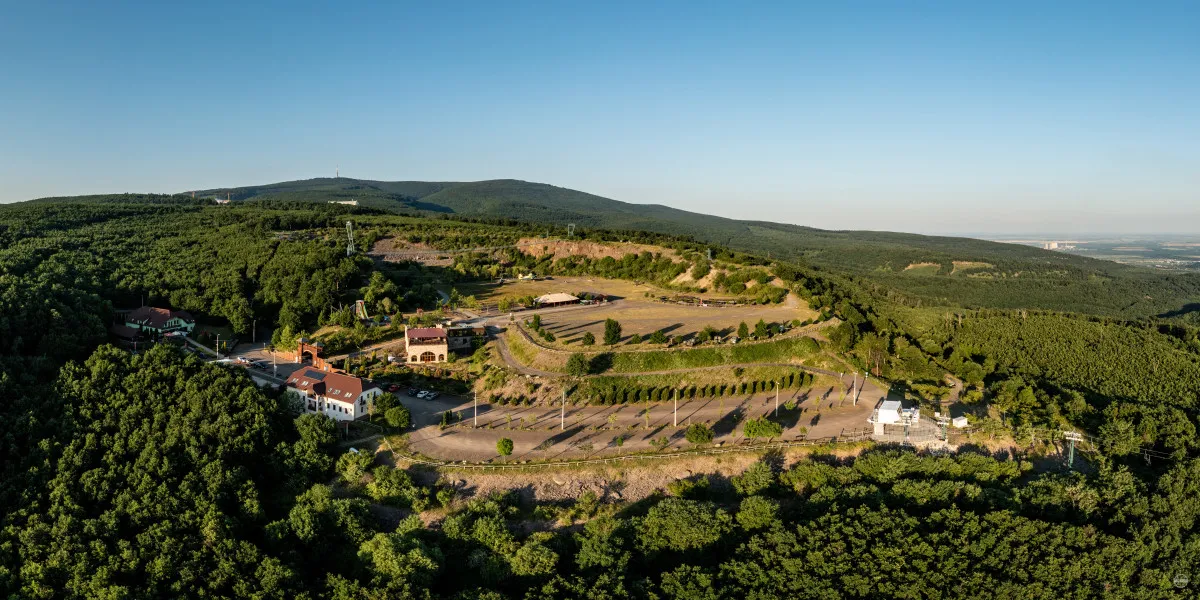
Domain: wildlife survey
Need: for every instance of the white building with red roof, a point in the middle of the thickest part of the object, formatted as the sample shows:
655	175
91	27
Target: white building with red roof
160	320
336	395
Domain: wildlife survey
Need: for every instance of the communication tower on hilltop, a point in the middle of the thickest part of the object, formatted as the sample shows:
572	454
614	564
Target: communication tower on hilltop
350	238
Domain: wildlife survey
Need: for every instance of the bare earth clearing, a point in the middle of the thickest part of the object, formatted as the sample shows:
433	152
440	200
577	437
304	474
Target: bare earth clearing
591	431
628	482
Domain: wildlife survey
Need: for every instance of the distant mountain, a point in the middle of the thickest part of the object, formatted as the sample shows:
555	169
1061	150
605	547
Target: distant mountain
923	269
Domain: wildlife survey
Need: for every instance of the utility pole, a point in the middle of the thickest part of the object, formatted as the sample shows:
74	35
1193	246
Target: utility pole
254	331
475	406
675	419
776	398
853	384
944	421
562	426
1072	437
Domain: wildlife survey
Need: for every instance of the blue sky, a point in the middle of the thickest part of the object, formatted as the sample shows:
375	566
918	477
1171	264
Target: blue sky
930	117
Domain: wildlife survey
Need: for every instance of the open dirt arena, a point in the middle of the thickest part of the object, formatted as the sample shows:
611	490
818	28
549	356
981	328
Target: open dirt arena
636	313
645	316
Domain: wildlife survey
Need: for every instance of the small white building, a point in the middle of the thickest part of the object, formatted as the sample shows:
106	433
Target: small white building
892	412
340	397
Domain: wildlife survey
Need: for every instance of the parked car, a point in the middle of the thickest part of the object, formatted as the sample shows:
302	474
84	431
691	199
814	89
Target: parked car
393	387
432	395
422	395
412	392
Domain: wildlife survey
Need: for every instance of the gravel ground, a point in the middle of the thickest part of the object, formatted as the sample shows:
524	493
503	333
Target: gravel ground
629	482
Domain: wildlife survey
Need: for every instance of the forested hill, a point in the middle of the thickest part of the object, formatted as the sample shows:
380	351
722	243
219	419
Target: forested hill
917	270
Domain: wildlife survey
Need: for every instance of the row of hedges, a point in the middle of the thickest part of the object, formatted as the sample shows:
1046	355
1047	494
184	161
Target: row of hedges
632	394
778	351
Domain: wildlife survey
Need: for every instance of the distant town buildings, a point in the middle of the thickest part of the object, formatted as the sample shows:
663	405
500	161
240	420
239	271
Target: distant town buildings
335	395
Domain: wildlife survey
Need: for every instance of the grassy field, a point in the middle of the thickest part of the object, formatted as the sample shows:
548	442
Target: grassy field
704	377
797	350
788	350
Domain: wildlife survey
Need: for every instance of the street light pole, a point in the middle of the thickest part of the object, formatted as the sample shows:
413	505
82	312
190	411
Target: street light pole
563	415
675	419
776	398
475	405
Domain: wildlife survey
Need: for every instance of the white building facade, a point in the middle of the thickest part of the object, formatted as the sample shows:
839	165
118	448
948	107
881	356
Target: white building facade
340	397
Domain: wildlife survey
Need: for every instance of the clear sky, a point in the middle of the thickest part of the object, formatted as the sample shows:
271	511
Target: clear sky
929	117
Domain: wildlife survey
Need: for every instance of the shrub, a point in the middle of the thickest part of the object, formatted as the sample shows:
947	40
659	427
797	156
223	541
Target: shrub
754	480
762	428
757	512
398	417
577	365
658	337
536	322
588	339
353	466
689	488
504	446
698	433
612	332
636	338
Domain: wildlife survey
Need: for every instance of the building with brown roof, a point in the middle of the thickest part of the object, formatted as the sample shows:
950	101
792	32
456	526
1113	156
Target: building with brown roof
151	319
426	344
336	395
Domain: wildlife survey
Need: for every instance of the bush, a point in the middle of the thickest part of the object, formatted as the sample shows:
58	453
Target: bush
658	337
689	488
536	322
398	417
757	512
504	446
588	339
384	403
698	433
578	365
353	466
754	480
612	332
636	338
762	428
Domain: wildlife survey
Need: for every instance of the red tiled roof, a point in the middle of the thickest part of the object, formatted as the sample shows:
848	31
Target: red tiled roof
157	317
333	386
426	332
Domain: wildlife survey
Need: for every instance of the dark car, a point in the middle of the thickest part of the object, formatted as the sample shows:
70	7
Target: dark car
412	392
393	387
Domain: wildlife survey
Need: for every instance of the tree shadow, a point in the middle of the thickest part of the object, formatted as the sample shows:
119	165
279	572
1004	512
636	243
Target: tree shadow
601	363
728	422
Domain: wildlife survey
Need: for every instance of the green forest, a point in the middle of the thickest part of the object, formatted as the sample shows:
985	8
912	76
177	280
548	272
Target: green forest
156	475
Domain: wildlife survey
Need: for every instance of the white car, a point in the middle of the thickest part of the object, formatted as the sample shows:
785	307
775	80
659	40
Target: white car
421	395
